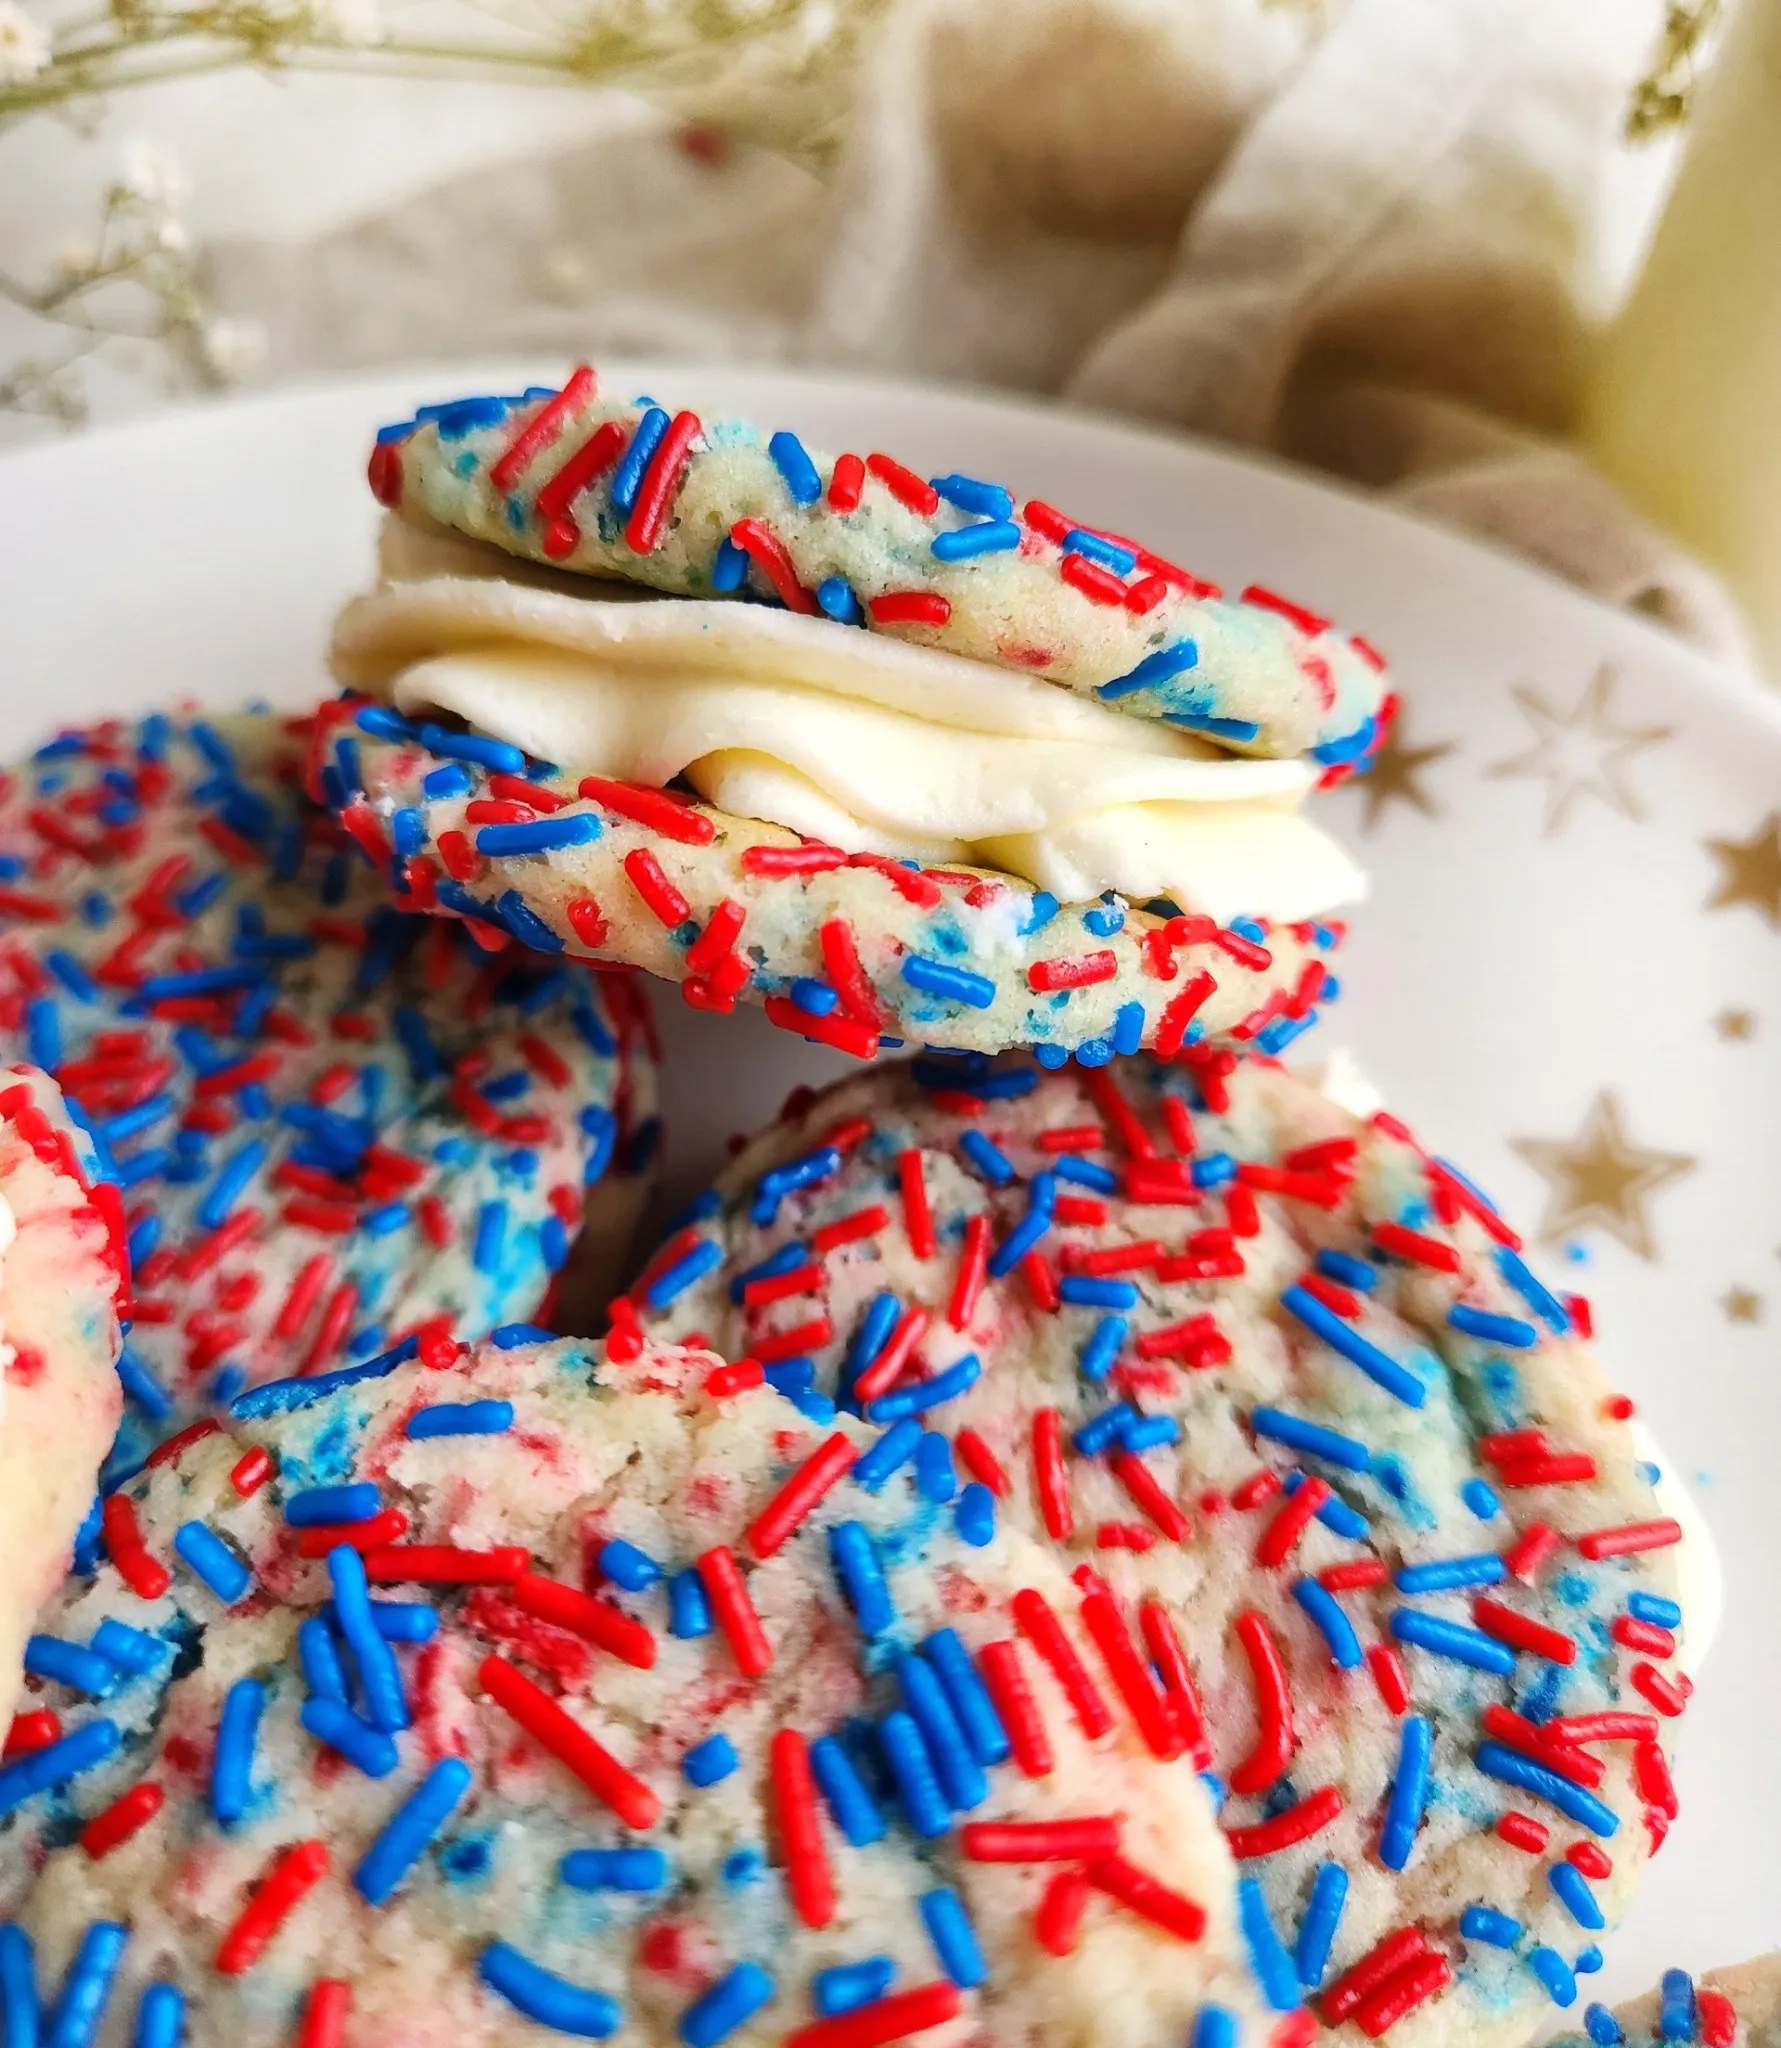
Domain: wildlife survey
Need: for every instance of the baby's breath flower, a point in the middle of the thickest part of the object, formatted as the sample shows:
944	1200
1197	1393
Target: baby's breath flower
24	45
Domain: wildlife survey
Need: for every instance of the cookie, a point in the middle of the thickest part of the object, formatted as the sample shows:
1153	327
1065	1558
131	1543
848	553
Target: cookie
63	1284
329	1122
537	1693
1738	2007
1285	1384
847	948
719	509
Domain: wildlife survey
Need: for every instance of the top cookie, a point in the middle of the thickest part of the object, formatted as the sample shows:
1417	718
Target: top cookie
714	508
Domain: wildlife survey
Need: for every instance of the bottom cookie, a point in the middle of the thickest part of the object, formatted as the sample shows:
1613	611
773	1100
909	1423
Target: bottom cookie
1737	2007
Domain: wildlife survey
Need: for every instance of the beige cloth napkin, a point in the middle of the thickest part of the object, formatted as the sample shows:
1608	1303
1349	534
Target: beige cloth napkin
1366	235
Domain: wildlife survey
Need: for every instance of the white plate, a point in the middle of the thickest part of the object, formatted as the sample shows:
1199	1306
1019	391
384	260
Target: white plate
1542	939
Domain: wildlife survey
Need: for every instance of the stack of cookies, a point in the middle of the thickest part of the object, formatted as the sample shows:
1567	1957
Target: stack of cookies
1085	1537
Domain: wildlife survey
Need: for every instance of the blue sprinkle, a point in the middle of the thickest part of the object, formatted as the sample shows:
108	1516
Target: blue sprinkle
1102	1431
231	1770
1480	1496
1443	1638
793	462
1167	662
460	1418
405	1621
160	2017
729	569
973	494
382	723
1676	2014
319	1656
70	1664
1555	1973
524	923
1332	1623
86	1989
130	1650
934	977
1654	1608
954	1762
710	1761
1085	1173
1409	1792
491	1236
730	2003
1083	1290
1602	2027
986	537
1317	1930
1149	1433
551	2001
894	1448
970	1700
1493	1329
954	1938
450	781
924	1803
1347	1271
815	998
538	835
921	1395
313	1506
1447	1574
71	974
1080	541
989	1159
410	1828
1341	1337
1310	1437
845	1987
862	1577
366	1748
1485	1923
674	1280
1103	1347
18	1988
210	1559
285	1397
379	1674
615	1870
231	1182
1041	1202
55	1765
1214	2027
1508	1767
689	1611
935	1479
43	1033
974	1518
781	1261
1043	909
1574	1894
627	478
627	1566
851	1806
1274	1969
1538	1296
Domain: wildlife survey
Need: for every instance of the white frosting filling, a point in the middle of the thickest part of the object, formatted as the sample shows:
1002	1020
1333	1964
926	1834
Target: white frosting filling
9	1229
853	738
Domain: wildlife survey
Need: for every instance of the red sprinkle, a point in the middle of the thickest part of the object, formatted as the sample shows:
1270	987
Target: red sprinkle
1389	1677
1522	1831
652	807
572	1746
845	483
849	1229
595	1621
541	429
1276	1738
774	1526
287	1878
981	1462
728	1594
1040	1841
1403	1994
592	459
1047	975
904	485
1413	1245
1149	1707
1297	1824
325	2014
251	1471
145	1575
1522	1632
1178	1014
1631	1539
649	509
443	1564
1019	1710
659	894
768	552
1050	1481
1377	1967
909	608
121	1819
809	1878
1280	1538
1057	1921
1043	1630
918	1220
885	2020
1148	1897
1530	1551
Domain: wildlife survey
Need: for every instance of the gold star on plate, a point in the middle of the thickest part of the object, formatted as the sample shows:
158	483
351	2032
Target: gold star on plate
1395	776
1600	1177
1736	1027
1741	1305
1750	870
1580	753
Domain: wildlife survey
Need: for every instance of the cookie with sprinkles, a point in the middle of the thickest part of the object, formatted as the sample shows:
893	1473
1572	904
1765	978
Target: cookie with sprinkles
328	1123
1357	1522
64	1282
1737	2007
717	509
851	949
541	1694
